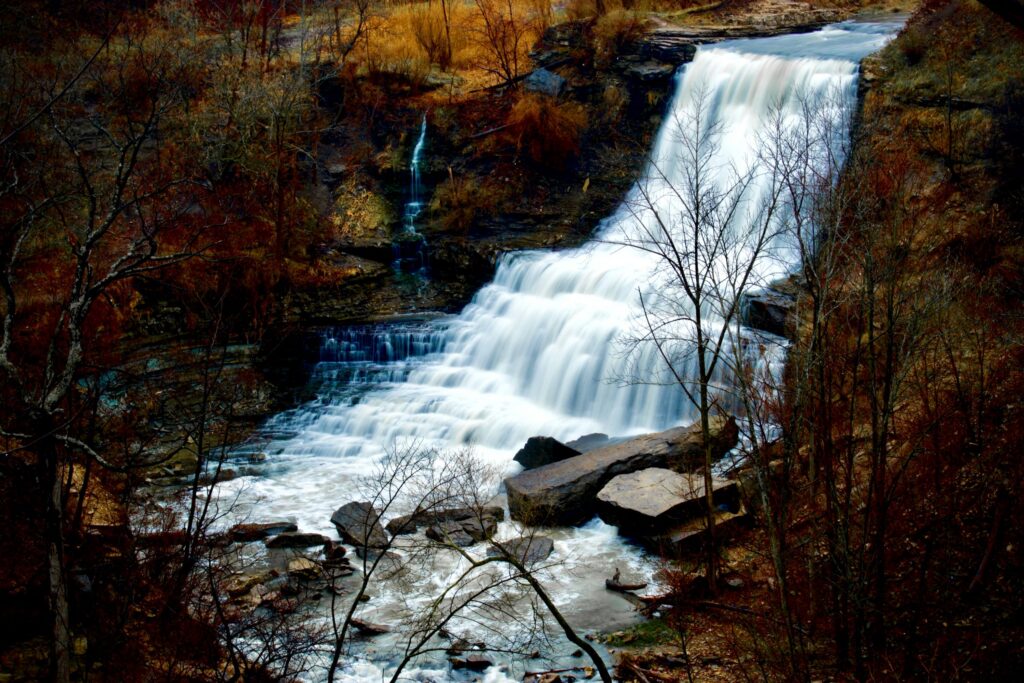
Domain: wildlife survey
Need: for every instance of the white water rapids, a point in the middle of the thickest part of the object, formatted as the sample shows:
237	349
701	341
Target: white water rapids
536	350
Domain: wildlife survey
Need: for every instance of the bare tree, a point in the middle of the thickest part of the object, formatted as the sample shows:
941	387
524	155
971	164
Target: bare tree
707	238
98	211
503	37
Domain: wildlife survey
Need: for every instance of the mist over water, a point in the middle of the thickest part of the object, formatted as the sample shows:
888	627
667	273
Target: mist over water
537	350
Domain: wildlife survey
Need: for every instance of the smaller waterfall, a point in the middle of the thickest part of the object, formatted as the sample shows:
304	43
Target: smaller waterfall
414	206
410	247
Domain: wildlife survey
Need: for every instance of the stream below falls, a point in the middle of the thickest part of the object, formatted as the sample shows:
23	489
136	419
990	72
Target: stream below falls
537	352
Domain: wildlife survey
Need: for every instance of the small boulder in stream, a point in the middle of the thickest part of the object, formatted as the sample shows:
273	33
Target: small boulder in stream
565	492
526	549
296	539
359	524
472	662
465	532
245	533
368	628
410	524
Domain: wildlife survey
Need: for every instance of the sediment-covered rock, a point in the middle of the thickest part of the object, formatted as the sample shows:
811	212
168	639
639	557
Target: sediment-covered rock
656	499
564	493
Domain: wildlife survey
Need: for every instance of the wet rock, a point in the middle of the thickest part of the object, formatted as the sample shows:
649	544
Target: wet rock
368	628
589	442
243	583
544	82
339	569
472	663
244	533
408	524
296	539
769	311
358	524
465	532
543	450
303	568
335	552
528	550
656	499
565	492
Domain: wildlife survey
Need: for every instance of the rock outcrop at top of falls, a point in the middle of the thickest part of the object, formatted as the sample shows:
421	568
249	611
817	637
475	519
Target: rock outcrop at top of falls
565	492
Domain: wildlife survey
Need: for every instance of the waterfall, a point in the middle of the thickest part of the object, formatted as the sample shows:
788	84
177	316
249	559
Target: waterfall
410	247
537	350
414	206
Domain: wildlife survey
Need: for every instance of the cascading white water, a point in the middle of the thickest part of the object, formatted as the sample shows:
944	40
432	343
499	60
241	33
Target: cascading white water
414	207
536	349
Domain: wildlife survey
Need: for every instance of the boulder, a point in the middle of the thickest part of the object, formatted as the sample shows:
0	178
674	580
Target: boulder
543	450
565	492
244	533
472	662
656	499
241	584
296	539
409	524
359	524
544	82
465	532
303	568
769	311
528	550
368	628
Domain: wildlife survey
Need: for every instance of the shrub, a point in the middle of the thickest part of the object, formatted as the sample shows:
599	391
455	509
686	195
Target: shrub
548	132
615	32
463	200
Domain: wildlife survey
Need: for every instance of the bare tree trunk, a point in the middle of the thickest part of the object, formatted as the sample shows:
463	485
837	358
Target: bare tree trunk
60	645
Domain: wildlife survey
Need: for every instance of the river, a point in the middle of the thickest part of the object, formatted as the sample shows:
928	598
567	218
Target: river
539	350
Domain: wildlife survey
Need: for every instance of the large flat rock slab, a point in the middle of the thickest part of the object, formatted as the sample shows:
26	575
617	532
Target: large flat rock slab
656	499
565	492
